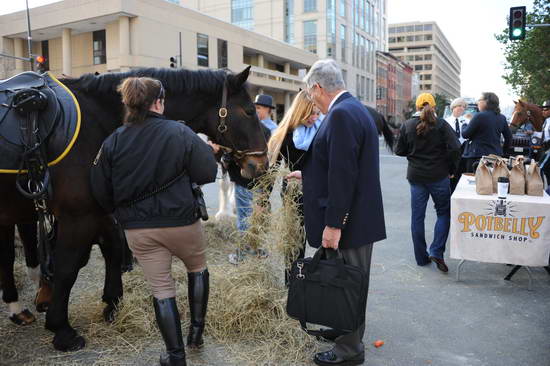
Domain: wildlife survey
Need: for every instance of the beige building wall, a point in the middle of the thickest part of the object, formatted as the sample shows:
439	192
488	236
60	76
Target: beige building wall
425	47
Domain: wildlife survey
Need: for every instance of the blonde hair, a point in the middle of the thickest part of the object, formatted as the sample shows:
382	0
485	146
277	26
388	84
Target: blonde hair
297	114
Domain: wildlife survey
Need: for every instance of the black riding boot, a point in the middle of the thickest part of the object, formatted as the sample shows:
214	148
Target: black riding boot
198	287
168	320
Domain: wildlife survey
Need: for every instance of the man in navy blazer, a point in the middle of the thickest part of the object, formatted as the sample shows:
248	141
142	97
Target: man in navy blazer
341	185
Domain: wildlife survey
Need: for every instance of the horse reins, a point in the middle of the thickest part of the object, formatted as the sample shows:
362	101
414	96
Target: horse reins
222	128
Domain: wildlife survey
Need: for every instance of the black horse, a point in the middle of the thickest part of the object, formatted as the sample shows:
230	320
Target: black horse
215	103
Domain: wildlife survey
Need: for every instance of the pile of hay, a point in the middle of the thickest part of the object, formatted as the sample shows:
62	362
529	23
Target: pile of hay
246	312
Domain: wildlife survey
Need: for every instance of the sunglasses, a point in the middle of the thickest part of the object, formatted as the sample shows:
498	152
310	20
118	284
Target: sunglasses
161	94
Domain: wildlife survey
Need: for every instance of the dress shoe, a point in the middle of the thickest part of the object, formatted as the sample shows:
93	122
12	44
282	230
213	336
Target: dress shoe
440	264
330	358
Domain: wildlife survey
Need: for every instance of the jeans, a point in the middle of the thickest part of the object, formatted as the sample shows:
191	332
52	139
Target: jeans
441	195
243	201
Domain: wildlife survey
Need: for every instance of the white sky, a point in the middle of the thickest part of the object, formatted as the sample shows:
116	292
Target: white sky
469	25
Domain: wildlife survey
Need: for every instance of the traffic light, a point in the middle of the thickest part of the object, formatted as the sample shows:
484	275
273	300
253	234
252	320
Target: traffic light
516	23
173	62
40	63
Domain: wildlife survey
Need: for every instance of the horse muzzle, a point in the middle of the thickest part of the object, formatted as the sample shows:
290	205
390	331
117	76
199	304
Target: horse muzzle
254	166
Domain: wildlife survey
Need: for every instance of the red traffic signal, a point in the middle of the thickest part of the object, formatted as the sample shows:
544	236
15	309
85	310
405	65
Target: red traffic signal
41	64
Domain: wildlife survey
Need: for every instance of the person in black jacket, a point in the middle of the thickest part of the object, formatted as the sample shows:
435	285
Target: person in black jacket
143	172
289	144
484	131
433	152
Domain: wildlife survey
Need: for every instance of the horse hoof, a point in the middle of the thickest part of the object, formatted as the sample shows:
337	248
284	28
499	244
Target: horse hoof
109	313
68	341
23	318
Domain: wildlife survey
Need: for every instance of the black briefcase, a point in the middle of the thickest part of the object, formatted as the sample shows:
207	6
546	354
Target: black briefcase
327	292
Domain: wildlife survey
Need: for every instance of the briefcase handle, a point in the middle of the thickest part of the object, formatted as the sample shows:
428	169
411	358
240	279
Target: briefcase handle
322	253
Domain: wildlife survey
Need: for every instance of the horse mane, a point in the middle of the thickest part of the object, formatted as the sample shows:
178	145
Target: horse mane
181	81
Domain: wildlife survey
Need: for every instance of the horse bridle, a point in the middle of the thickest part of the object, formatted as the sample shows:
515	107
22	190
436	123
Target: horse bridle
222	128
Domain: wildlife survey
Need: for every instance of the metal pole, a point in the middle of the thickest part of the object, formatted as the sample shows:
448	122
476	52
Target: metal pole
29	36
181	60
16	57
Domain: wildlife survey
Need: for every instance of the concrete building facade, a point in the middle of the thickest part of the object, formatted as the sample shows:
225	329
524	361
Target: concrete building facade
426	48
394	86
350	31
82	36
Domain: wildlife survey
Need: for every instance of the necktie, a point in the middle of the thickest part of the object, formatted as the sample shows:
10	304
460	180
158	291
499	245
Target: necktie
457	128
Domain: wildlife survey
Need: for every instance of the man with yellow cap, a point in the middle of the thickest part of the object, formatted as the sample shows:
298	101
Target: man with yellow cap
433	152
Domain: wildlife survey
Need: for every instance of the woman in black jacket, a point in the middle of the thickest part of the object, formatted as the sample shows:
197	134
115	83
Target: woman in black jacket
484	131
433	152
144	173
290	143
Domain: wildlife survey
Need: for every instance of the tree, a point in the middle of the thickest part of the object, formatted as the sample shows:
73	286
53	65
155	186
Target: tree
441	101
409	109
528	61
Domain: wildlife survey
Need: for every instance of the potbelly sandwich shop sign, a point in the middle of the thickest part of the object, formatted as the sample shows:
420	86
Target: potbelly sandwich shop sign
500	231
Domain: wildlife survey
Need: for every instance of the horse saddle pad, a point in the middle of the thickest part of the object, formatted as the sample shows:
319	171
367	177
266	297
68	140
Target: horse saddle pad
58	123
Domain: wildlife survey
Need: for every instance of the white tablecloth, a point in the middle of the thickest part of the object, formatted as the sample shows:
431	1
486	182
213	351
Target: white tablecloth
486	229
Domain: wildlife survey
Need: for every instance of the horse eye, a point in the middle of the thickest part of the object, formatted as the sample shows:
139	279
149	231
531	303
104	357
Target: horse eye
250	112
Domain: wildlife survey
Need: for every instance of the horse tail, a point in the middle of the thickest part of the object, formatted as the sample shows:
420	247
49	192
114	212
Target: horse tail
389	138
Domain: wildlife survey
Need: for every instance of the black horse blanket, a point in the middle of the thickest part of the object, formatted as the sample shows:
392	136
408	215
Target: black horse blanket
59	123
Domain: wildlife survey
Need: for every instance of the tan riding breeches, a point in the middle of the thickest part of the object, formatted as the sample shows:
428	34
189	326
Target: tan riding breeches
154	249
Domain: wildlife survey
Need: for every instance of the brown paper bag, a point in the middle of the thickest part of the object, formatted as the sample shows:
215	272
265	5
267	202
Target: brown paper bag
500	170
533	180
484	182
517	176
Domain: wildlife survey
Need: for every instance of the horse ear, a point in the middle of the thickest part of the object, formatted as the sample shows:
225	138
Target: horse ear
520	102
515	102
239	79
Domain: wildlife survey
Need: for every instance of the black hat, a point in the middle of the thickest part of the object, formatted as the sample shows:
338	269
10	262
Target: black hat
265	100
546	104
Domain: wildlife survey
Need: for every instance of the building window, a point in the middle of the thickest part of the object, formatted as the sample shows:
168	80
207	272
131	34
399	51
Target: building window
428	37
289	21
427	67
222	53
427	27
343	42
242	13
427	77
358	87
46	54
342	8
345	76
331	28
310	5
418	28
99	47
202	49
310	36
427	57
418	67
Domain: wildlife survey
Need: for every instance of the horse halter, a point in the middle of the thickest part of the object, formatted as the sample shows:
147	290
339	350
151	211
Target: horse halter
222	128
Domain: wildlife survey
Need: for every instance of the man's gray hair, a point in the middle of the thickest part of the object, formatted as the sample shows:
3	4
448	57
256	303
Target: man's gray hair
326	73
458	102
